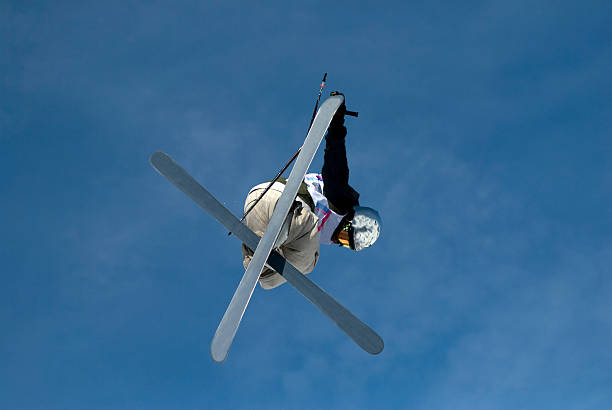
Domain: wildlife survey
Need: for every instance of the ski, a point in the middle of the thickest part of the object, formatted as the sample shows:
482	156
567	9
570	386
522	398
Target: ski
358	331
228	326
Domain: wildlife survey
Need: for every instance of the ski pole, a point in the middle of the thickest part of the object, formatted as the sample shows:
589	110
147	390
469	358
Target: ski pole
314	113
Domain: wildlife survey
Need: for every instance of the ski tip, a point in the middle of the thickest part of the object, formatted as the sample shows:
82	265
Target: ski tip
377	347
371	342
157	156
160	160
217	355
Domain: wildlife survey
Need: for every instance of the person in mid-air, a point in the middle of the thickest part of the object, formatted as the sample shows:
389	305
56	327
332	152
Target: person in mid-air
326	210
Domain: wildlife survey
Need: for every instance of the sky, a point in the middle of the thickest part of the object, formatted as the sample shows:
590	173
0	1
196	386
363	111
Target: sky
483	140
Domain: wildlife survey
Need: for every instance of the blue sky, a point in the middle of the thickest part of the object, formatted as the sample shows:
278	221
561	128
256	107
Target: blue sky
483	140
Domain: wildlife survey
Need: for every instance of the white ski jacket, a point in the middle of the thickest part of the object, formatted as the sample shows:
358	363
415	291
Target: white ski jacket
300	248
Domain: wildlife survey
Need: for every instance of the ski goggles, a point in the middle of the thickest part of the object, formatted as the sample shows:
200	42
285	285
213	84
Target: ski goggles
345	236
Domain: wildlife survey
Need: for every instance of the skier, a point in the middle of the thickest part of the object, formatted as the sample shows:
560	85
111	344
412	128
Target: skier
326	210
314	218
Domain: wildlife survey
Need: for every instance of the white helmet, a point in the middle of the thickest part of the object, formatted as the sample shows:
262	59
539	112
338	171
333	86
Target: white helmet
365	227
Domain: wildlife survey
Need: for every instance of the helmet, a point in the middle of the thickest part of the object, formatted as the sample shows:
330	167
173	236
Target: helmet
360	232
365	227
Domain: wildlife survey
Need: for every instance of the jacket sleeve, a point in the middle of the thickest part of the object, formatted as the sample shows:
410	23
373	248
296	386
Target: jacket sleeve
341	196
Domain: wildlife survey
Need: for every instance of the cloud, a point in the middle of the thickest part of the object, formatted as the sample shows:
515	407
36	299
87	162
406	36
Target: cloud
544	334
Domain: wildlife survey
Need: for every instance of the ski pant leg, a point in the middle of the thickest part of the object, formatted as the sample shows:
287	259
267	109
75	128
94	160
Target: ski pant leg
335	172
301	248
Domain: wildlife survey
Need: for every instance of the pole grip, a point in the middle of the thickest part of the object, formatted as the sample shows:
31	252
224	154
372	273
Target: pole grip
351	113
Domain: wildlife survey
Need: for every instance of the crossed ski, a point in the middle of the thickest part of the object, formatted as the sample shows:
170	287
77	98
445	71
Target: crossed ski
364	336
